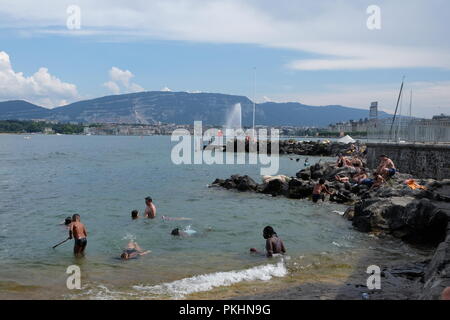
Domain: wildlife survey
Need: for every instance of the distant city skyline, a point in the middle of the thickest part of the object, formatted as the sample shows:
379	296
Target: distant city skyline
312	52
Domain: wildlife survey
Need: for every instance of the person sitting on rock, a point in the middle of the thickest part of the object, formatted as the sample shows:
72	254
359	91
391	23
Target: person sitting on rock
357	162
386	168
319	189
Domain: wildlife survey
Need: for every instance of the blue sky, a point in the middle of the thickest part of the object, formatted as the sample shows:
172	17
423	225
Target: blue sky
314	52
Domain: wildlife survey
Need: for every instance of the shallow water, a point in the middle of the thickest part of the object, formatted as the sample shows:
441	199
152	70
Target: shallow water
46	178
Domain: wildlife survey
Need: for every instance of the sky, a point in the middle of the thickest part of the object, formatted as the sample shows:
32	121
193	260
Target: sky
323	52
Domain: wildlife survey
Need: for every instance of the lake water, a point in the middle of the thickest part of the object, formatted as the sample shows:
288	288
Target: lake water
47	178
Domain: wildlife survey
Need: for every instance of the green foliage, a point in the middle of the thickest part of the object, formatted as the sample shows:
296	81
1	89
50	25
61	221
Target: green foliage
16	126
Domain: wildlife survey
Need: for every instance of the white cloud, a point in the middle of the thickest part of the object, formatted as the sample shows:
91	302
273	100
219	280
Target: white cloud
112	86
120	82
41	88
413	34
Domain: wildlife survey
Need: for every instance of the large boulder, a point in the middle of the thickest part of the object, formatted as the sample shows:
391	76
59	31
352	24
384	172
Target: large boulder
246	183
276	187
437	272
407	218
299	189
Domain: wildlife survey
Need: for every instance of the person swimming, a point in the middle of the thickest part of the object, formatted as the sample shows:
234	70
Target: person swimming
134	214
133	251
187	232
306	162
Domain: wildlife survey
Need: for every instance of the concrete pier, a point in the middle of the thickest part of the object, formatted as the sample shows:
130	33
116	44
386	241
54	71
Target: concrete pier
420	159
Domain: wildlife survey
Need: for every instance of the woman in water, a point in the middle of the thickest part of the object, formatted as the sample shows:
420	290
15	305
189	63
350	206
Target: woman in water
274	245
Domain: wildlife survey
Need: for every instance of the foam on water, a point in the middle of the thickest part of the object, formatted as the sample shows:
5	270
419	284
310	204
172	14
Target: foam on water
207	282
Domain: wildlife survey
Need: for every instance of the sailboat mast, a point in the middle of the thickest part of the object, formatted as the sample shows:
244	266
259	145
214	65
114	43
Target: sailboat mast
254	98
410	105
396	108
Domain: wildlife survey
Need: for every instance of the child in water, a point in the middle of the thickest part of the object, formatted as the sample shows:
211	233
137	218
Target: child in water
134	214
319	188
274	245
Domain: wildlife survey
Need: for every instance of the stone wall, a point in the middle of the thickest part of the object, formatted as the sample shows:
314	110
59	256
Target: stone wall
421	160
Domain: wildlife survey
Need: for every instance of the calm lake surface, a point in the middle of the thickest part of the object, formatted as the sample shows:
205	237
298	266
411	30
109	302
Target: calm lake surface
47	178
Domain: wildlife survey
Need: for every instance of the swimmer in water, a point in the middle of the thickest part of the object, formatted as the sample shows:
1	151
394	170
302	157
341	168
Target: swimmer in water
179	233
134	214
183	233
67	222
133	251
274	245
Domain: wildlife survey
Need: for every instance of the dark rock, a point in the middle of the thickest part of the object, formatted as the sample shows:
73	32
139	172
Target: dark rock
229	184
304	174
349	213
412	220
437	272
299	189
218	182
276	187
246	183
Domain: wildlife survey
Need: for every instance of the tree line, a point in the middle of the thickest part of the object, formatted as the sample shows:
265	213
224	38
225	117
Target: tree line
18	126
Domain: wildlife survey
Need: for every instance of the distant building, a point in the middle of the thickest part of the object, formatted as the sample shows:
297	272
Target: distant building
349	127
373	112
48	131
442	117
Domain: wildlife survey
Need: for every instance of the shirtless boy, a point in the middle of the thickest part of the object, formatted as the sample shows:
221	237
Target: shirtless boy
319	188
150	209
386	168
78	231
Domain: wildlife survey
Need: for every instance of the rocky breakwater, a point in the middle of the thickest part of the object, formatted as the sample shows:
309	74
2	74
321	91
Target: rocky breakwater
417	216
323	148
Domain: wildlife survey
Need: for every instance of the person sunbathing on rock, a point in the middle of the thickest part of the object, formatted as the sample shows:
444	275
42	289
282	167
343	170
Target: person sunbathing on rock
342	179
343	162
358	178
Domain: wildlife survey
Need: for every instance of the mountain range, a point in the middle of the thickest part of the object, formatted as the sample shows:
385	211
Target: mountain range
152	107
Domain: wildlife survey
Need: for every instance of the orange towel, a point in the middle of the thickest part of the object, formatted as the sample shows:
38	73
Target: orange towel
414	185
